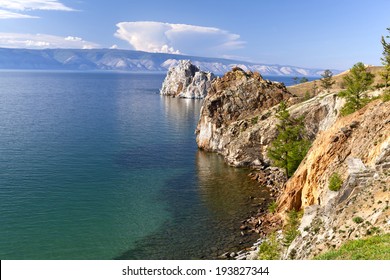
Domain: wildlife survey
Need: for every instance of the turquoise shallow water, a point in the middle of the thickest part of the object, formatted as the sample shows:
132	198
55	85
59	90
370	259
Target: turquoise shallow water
99	166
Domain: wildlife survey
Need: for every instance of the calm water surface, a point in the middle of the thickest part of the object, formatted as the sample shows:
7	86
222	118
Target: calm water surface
99	166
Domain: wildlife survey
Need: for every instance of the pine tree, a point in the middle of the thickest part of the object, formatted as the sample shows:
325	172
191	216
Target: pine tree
291	144
314	88
327	79
386	59
303	80
357	82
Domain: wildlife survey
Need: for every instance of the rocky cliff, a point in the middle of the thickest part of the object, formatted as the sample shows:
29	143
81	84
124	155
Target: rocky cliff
358	148
238	119
185	80
236	102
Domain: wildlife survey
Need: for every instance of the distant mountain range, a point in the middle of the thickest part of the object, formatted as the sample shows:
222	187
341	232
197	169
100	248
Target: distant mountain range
132	61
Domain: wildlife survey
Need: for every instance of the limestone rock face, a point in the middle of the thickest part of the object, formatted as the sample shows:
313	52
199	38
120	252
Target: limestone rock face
238	121
185	80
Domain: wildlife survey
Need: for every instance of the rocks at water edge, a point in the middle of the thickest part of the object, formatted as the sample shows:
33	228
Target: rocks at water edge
185	80
236	102
238	117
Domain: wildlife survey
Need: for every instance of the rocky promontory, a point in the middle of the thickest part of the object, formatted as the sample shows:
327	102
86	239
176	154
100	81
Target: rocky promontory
185	80
238	117
236	102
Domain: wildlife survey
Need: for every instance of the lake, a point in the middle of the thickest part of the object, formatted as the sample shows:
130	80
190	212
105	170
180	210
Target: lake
100	166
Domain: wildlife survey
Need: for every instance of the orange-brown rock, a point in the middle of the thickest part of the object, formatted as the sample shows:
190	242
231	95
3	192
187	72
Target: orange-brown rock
363	135
357	147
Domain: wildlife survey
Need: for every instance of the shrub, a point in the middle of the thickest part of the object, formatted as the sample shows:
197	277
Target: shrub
270	248
291	229
358	220
272	207
386	96
307	96
335	182
254	120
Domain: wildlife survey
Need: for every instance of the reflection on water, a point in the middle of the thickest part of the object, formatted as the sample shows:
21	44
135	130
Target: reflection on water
181	111
226	191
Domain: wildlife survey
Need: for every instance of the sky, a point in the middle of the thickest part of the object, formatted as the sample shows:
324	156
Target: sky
326	34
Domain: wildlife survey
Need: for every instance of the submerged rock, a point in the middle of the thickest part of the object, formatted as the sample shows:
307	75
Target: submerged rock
185	80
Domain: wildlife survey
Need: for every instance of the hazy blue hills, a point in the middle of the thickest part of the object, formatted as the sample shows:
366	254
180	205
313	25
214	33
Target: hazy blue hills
132	61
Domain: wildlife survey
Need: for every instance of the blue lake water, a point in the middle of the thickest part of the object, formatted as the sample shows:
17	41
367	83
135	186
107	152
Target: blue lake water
99	166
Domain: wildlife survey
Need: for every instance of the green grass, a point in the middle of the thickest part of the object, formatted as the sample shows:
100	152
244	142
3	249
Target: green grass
372	248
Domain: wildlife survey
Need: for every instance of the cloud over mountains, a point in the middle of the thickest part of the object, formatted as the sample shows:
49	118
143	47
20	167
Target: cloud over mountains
152	36
42	41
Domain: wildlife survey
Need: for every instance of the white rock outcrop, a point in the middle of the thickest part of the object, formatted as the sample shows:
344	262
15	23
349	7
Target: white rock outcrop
185	80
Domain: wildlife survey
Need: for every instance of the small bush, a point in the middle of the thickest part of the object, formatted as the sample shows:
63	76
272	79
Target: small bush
293	254
291	230
386	96
270	248
307	96
358	220
254	120
335	182
272	207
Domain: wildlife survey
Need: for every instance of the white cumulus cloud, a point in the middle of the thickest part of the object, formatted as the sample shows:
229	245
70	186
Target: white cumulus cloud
42	41
162	37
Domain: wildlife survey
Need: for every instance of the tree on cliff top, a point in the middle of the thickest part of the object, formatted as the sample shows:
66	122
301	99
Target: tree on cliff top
291	144
357	82
327	79
386	59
